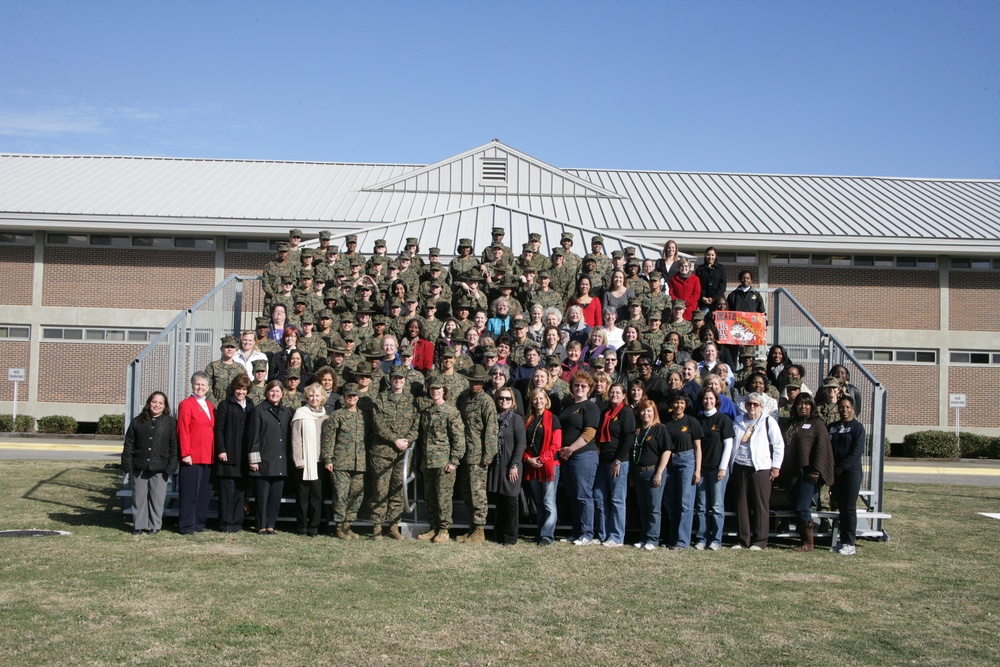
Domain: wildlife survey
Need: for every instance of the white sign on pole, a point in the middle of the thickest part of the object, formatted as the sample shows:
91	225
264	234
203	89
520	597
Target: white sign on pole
956	400
15	375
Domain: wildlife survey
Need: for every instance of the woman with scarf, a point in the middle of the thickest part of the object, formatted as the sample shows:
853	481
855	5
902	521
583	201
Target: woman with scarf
307	429
651	451
541	467
808	463
504	475
596	345
615	437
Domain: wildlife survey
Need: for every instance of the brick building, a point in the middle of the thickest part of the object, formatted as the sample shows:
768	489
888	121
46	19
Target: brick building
99	253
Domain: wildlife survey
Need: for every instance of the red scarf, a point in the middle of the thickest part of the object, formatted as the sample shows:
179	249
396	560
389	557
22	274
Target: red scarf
609	416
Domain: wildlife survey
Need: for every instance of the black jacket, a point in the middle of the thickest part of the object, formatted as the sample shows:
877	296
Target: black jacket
151	446
230	437
269	435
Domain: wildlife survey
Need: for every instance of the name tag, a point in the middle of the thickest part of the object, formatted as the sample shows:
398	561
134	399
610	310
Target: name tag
806	426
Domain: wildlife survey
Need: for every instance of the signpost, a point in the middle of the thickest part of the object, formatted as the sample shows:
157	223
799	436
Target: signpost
956	401
15	375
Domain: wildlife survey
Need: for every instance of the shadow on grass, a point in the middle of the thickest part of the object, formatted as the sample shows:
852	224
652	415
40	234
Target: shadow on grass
930	490
82	502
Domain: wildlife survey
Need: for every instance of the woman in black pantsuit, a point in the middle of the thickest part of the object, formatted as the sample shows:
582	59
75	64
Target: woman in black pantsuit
231	453
269	438
504	476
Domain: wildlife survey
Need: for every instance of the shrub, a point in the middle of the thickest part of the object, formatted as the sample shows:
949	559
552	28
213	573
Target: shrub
975	446
57	424
23	424
932	444
6	423
111	425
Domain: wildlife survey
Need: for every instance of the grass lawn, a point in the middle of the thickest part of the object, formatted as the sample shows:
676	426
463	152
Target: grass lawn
101	596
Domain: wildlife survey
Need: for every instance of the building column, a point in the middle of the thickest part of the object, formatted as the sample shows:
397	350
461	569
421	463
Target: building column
34	344
944	358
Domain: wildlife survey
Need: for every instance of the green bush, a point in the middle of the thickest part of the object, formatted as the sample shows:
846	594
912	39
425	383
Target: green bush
975	446
111	425
57	424
932	444
23	424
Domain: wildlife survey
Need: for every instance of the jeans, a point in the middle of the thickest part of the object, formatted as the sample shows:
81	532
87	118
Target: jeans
710	507
609	502
579	472
678	497
545	503
649	499
846	487
802	496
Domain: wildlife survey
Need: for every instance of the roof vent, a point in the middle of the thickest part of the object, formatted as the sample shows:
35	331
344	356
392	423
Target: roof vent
493	172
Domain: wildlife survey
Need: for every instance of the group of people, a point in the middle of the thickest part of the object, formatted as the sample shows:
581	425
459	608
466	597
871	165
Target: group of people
496	371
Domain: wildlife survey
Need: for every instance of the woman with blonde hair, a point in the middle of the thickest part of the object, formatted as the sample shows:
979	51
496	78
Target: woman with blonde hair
307	430
667	263
541	465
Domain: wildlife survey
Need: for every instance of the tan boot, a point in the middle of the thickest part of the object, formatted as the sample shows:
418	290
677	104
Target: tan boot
350	533
442	537
806	532
341	531
477	535
394	532
377	532
426	537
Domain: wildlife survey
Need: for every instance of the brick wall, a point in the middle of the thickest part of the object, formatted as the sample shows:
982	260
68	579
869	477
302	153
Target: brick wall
981	386
971	300
126	277
913	393
84	372
14	354
863	298
247	263
17	265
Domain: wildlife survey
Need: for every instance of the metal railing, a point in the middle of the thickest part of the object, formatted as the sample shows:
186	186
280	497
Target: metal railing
191	341
818	350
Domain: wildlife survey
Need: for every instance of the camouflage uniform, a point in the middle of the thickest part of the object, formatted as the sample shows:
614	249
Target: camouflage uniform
275	272
572	261
221	375
658	303
344	439
480	415
828	412
455	382
654	339
315	347
638	285
664	371
395	416
293	400
564	282
602	268
683	327
442	438
553	298
257	394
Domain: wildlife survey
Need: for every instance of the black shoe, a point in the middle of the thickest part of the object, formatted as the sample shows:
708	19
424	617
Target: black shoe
136	533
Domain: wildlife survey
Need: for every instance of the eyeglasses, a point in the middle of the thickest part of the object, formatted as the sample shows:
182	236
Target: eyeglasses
504	398
581	385
755	405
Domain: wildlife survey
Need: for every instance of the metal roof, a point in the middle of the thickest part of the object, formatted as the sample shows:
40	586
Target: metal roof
730	210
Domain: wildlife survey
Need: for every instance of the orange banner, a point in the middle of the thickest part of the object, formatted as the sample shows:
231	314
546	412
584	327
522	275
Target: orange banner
736	328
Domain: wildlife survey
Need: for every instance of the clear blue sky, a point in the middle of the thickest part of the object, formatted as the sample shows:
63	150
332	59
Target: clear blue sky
859	88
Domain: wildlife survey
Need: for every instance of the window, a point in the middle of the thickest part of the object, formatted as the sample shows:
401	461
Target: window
93	335
873	261
124	241
975	263
153	242
739	258
68	239
15	332
252	245
888	356
985	357
17	237
197	244
105	239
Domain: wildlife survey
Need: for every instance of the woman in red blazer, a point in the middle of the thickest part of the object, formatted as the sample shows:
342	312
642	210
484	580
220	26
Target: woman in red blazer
423	349
686	286
196	436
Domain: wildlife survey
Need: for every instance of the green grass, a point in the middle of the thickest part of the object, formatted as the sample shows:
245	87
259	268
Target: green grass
930	596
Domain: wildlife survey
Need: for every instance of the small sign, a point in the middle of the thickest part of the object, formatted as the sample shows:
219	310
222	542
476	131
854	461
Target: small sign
956	400
15	375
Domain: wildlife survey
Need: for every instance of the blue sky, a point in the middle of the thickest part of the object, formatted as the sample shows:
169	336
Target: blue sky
858	88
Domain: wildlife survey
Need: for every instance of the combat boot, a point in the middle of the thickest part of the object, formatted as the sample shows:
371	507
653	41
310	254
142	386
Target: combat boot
351	535
806	532
429	535
341	531
477	535
377	532
394	532
442	537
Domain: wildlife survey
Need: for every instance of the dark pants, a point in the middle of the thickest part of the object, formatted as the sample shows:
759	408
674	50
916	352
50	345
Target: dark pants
845	490
231	499
268	500
507	521
195	493
752	489
802	495
309	505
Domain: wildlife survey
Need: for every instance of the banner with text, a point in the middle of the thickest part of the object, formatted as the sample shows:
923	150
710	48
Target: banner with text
736	328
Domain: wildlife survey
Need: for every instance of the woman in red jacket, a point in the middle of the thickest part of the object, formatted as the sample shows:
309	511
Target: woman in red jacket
541	467
686	286
423	349
591	305
196	436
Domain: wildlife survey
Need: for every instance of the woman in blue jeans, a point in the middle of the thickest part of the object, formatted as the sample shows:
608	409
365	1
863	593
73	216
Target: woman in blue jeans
578	456
716	448
614	436
541	467
683	473
808	463
651	451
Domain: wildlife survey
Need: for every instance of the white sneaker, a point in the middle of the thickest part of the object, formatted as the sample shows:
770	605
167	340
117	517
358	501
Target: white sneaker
611	544
714	546
649	546
847	550
639	545
565	540
754	547
736	546
583	542
700	546
836	548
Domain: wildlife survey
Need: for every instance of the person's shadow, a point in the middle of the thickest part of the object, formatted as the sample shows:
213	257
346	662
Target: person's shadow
81	496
